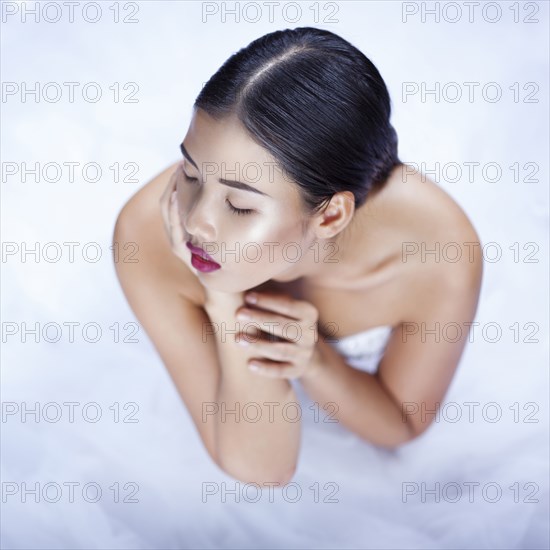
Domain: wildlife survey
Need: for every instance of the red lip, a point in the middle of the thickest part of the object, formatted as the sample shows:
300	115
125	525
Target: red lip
201	253
204	266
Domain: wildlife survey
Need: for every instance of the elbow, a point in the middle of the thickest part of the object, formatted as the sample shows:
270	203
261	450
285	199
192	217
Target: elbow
411	432
406	433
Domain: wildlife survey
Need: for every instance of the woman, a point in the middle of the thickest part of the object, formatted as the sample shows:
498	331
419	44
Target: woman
290	185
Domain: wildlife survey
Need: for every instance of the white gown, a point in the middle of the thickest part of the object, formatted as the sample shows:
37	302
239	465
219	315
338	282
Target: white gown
351	494
346	493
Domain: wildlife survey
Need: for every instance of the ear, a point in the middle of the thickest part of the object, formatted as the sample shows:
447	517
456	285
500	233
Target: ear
335	216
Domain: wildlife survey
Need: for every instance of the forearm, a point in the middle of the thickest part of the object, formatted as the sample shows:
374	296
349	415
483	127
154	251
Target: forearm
363	405
255	441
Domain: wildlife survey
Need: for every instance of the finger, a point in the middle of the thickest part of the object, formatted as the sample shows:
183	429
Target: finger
272	370
290	330
275	351
172	182
270	327
285	305
165	204
250	334
175	222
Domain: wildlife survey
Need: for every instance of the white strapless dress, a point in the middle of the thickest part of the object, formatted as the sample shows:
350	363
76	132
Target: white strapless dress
346	493
363	350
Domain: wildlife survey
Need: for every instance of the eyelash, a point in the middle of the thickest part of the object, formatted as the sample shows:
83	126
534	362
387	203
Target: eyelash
237	211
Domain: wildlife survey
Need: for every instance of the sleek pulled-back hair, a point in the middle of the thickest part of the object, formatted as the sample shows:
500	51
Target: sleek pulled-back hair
317	104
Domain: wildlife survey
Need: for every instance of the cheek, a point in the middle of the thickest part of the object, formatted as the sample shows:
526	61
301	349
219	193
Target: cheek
274	239
264	228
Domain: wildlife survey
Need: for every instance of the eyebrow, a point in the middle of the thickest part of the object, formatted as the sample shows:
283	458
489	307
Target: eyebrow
230	183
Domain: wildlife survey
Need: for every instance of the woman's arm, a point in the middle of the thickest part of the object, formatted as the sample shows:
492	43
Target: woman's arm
363	405
255	440
400	401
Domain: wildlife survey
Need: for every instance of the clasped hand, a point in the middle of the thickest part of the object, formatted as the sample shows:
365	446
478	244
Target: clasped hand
290	350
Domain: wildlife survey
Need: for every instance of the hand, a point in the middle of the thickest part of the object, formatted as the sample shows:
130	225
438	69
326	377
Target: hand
284	317
171	218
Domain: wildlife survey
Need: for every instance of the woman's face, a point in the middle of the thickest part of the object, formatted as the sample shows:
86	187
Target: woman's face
264	238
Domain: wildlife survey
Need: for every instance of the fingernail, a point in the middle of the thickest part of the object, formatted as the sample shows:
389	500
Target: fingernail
251	297
243	342
253	366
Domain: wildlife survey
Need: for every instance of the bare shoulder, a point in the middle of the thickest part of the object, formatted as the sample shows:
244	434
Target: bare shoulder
441	251
140	226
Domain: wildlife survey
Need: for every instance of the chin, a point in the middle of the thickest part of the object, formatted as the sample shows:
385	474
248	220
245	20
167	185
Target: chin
284	278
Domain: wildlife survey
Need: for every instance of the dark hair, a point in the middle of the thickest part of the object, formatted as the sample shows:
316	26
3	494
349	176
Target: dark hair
317	104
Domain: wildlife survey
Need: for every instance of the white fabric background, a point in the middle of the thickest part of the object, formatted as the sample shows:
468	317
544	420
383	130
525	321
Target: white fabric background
170	53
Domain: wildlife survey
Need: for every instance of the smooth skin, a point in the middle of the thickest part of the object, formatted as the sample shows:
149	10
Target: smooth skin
353	275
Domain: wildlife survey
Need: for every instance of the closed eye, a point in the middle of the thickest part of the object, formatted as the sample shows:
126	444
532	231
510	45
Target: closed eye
237	211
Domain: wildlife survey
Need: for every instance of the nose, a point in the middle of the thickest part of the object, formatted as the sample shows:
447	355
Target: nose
198	220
